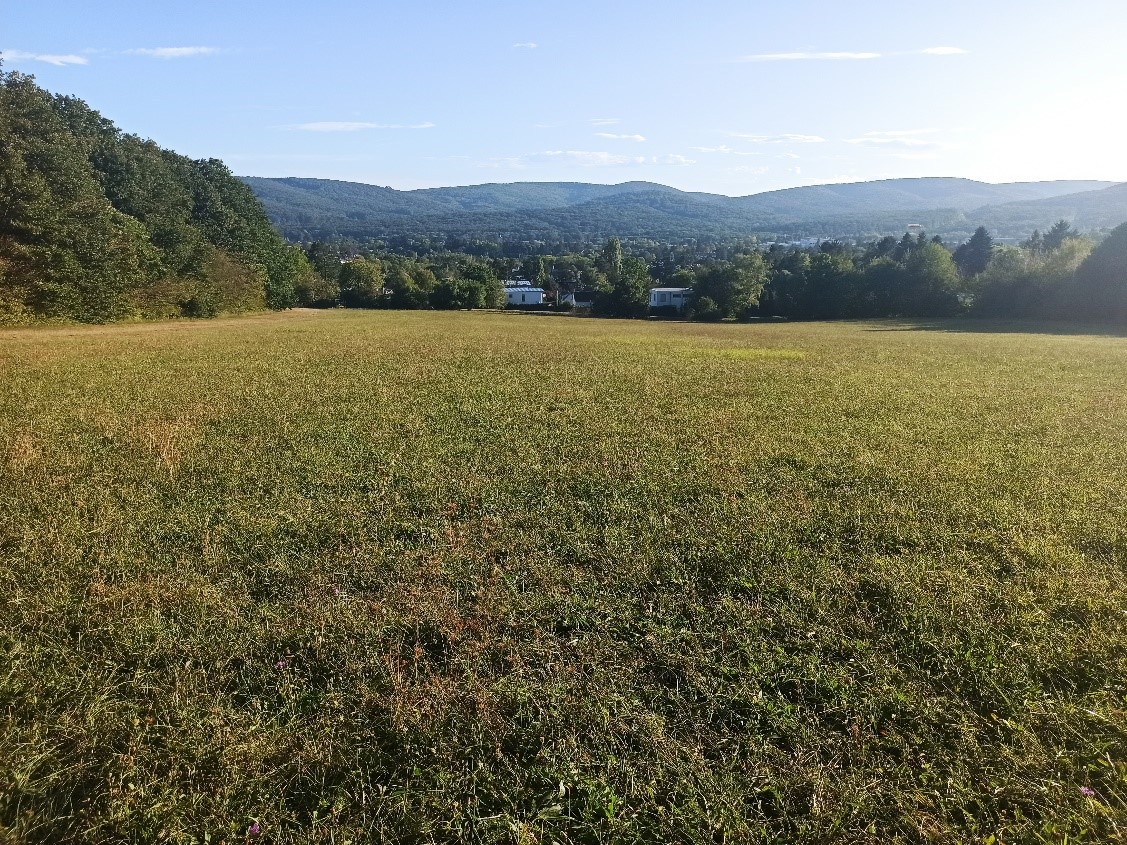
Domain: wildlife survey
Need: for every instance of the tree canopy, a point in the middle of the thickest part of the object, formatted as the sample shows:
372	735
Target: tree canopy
99	225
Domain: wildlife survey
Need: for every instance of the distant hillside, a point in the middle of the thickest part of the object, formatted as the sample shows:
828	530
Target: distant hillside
1100	209
904	195
305	201
571	211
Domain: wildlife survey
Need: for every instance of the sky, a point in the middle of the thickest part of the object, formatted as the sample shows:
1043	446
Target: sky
725	96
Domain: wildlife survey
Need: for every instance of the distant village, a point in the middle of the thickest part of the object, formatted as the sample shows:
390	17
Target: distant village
525	294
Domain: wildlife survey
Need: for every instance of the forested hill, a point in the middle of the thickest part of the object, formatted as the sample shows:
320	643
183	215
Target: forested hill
99	225
1098	209
315	208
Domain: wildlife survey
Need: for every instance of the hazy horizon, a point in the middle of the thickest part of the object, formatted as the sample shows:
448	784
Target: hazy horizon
1112	182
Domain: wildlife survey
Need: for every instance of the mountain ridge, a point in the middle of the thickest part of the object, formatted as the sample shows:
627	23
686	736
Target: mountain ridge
307	208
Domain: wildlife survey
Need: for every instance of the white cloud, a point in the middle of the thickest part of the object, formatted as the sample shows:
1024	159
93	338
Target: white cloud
780	139
605	121
172	52
48	58
613	137
355	126
525	45
944	51
808	57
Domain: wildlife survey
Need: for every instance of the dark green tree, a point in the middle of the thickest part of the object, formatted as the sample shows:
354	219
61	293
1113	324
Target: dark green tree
628	283
974	256
731	288
1057	235
1100	288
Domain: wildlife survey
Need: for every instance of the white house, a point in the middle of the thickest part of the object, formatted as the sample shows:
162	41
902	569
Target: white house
524	295
579	299
670	297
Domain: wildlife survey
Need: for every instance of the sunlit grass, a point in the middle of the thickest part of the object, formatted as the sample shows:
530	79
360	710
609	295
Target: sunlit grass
446	577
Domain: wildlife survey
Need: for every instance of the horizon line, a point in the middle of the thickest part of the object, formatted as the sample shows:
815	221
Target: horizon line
1110	183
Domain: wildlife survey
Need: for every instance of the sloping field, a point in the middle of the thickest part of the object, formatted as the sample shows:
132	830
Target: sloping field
410	577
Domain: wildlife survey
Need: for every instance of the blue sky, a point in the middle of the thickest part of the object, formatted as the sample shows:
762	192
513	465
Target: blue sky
713	95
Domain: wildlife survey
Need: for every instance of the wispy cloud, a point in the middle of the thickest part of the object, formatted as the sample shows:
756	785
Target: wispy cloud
611	136
848	56
780	139
903	133
172	52
724	149
918	156
587	158
56	59
908	138
525	45
605	159
605	121
355	126
808	57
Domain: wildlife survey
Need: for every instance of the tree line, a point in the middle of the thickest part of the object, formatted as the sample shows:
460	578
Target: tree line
99	225
1060	274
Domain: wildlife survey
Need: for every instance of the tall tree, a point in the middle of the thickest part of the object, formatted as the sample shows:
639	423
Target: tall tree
1058	234
628	283
974	256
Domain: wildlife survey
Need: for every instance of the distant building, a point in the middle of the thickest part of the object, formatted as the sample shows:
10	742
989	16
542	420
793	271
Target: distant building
579	299
670	297
524	295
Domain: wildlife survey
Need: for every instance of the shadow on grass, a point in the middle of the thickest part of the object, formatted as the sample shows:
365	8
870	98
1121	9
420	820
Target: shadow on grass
974	326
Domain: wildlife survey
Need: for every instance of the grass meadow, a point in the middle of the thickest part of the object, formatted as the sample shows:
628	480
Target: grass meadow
345	577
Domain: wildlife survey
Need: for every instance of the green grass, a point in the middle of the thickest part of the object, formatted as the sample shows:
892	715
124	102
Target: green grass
411	577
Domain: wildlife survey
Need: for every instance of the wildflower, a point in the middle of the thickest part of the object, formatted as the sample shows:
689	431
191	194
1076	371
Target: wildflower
1087	792
282	664
254	830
